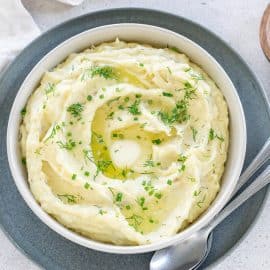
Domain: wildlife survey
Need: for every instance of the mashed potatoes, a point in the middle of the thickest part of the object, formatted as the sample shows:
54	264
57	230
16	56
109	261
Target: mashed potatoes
125	143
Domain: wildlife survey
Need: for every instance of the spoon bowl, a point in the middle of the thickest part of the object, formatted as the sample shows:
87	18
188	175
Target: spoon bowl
191	252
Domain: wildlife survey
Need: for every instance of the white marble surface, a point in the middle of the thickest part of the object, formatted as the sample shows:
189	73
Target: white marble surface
237	21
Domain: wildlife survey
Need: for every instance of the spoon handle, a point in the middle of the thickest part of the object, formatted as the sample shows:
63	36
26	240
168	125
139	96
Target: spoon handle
262	180
257	162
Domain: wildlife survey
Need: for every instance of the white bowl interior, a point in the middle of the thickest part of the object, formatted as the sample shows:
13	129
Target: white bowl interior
144	34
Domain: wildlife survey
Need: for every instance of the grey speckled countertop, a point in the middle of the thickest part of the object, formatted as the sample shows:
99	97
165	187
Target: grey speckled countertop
237	22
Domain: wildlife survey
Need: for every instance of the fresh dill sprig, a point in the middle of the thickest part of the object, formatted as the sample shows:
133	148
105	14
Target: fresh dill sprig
23	111
194	133
178	114
53	132
135	221
107	72
149	163
212	135
69	145
68	198
75	109
134	108
50	89
157	141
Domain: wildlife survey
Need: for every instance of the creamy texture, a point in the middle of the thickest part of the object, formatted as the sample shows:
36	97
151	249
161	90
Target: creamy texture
125	143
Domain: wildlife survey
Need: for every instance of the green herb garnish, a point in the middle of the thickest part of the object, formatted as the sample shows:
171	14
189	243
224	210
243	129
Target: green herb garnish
53	132
151	220
110	115
148	187
23	111
102	166
50	89
24	161
149	163
169	182
102	212
194	133
178	114
118	135
196	193
135	221
75	109
158	195
212	135
134	108
118	197
182	168
199	204
196	76
190	91
166	94
88	155
182	158
106	72
141	202
69	198
69	145
157	141
86	185
98	137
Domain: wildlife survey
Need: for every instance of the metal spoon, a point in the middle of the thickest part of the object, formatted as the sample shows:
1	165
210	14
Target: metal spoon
192	252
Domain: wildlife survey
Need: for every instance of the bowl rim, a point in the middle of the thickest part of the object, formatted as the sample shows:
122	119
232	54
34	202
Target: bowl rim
105	247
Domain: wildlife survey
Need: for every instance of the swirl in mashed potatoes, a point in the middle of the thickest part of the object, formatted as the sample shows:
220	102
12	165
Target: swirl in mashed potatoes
125	143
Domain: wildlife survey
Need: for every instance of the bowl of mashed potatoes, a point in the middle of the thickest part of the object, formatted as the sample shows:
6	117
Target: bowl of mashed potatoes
126	138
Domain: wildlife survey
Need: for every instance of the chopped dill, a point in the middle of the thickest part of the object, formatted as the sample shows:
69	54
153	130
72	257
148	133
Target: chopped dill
49	89
149	163
135	221
68	198
75	109
23	111
134	108
157	141
212	135
141	201
178	114
194	133
53	132
105	72
69	145
166	94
